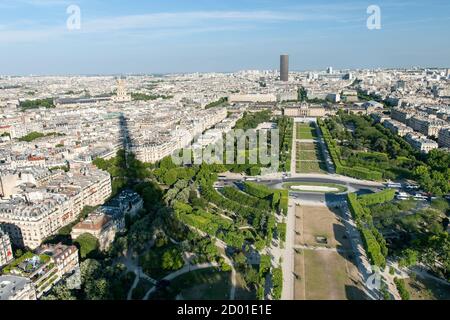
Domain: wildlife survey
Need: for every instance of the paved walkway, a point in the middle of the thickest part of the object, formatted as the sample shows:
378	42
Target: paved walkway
362	261
319	248
287	265
139	274
325	152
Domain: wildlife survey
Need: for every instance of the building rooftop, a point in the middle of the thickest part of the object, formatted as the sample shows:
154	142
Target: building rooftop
94	221
11	286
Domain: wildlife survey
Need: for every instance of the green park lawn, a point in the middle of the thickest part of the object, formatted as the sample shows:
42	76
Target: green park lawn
306	131
310	167
331	185
307	146
306	155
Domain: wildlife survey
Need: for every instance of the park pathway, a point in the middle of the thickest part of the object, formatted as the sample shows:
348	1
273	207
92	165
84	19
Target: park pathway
325	152
221	244
186	269
294	150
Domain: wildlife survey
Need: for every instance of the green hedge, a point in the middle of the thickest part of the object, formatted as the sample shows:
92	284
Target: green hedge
359	213
281	228
256	217
377	198
284	201
373	248
359	173
401	287
373	240
257	190
278	198
245	199
277	281
354	172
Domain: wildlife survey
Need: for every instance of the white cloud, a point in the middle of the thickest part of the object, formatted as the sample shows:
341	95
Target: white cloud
159	23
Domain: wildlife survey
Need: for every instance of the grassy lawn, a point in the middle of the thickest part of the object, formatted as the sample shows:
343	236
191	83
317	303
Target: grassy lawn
331	185
323	275
206	284
422	288
309	158
306	146
310	167
306	155
306	131
326	277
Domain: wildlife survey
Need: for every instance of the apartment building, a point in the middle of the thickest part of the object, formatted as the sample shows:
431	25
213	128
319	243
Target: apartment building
99	225
46	267
401	114
397	127
380	117
6	254
39	212
444	138
427	125
127	202
421	142
65	259
16	288
155	148
257	97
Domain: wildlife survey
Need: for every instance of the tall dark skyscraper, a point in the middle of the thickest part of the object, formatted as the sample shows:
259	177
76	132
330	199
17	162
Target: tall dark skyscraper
284	67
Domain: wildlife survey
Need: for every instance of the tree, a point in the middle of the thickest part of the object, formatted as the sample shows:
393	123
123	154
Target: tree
59	292
440	204
170	177
401	287
251	276
240	260
277	280
87	244
172	260
409	258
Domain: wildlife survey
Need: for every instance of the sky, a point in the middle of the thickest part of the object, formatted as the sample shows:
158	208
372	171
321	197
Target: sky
172	36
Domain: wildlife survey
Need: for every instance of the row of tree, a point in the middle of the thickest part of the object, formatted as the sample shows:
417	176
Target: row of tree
340	166
285	127
373	240
376	198
278	198
245	199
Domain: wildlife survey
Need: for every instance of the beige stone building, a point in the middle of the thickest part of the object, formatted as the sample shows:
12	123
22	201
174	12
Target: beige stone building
444	138
16	288
98	225
39	212
304	111
6	254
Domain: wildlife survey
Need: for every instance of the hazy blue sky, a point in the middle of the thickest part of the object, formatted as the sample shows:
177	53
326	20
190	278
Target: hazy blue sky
161	36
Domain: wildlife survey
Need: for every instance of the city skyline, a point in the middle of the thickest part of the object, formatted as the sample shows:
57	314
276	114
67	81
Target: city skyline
186	37
251	150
